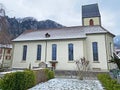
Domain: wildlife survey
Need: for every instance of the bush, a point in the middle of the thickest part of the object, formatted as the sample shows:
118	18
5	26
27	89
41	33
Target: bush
49	74
108	83
18	80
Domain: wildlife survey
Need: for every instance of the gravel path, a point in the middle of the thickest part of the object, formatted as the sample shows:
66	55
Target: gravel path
68	84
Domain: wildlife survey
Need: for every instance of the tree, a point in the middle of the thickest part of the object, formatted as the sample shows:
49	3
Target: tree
5	38
82	66
115	59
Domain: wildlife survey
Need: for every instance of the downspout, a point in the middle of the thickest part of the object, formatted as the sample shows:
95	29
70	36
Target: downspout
46	52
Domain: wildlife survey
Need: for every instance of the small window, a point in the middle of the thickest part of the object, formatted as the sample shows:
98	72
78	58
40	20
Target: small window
0	56
8	51
24	52
54	51
39	52
8	57
0	50
95	51
91	22
70	52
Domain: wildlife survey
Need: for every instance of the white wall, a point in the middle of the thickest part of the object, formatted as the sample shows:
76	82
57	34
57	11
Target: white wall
62	53
109	39
102	59
82	48
31	54
95	19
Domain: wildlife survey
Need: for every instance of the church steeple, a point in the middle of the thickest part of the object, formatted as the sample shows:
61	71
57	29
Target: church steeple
91	15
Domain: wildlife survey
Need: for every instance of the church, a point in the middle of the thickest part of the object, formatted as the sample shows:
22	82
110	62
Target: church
60	47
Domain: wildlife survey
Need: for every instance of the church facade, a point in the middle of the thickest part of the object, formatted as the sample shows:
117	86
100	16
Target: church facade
60	48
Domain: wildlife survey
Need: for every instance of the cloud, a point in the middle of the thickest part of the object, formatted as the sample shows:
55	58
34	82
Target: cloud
109	21
66	12
62	11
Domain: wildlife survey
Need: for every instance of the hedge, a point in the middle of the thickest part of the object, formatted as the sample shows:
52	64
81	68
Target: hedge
107	82
18	80
24	80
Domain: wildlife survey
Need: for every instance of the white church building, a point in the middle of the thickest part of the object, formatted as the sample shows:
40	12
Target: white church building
61	47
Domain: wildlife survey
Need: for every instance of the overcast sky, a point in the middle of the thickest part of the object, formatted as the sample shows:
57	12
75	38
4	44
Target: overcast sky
65	12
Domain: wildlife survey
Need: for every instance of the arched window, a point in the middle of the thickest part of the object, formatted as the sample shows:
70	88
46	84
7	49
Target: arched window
91	22
95	51
24	52
70	51
54	51
39	48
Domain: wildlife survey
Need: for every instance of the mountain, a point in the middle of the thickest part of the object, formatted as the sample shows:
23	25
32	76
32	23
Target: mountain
18	25
117	41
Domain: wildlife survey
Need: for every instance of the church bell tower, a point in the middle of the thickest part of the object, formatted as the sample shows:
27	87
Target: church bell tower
91	15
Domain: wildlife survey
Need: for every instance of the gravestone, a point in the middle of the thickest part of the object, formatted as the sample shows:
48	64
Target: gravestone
42	65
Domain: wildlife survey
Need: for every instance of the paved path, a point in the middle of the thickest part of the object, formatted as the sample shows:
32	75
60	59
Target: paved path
69	84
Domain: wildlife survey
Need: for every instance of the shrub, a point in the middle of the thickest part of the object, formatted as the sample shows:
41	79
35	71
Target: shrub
8	81
115	59
29	78
18	80
108	83
49	74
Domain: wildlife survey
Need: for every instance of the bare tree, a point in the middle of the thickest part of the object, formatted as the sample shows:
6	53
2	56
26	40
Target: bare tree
115	59
5	38
82	66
